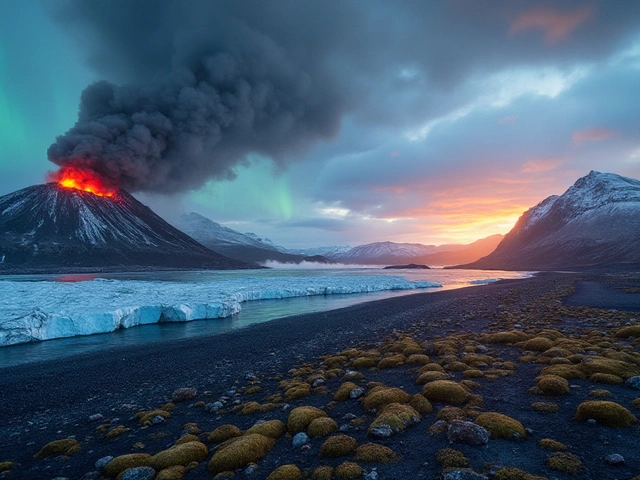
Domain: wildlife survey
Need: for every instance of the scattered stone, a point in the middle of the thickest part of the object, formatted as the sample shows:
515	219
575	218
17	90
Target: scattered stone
300	439
101	463
251	469
157	420
139	473
469	433
96	417
614	459
634	382
463	474
91	476
372	475
184	394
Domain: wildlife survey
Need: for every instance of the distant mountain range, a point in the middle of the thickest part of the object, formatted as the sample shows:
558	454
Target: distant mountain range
595	222
250	247
53	228
247	247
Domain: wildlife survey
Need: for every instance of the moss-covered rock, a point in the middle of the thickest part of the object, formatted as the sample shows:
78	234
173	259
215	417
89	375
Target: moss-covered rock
224	433
344	392
511	473
186	439
394	418
377	399
472	373
537	344
606	378
418	359
431	376
182	454
364	362
606	413
297	392
271	428
348	470
630	331
599	393
321	427
338	446
392	361
374	453
148	416
323	472
66	446
431	367
286	472
124	462
552	385
501	426
568	372
553	445
239	452
624	370
512	336
300	418
565	462
420	404
6	466
445	391
176	472
450	413
451	458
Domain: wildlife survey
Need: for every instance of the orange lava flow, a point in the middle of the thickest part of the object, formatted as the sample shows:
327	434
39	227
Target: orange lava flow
69	177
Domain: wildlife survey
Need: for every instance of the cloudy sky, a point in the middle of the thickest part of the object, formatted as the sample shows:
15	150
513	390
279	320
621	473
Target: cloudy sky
324	122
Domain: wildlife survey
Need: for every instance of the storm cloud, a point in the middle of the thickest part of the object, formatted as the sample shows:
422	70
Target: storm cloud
191	88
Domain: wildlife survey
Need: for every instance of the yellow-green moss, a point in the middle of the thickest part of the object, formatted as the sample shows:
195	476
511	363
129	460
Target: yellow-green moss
239	452
148	416
364	362
537	344
545	407
348	470
182	454
297	392
421	404
606	378
323	472
392	361
67	446
300	418
450	458
552	385
394	418
456	367
636	403
5	466
512	336
338	446
385	396
450	413
249	408
431	367
123	462
565	462
374	453
553	445
344	391
176	472
568	372
418	359
321	427
511	473
609	366
224	433
501	426
630	331
606	413
352	376
445	391
472	373
598	393
272	429
186	439
116	432
431	376
286	472
252	390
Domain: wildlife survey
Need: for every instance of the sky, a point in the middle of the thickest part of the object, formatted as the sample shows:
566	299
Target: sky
324	122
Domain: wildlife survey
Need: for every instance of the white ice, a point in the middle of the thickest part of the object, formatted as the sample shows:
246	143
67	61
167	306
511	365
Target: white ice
43	310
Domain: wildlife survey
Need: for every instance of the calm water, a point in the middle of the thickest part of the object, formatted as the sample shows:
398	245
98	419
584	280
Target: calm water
252	312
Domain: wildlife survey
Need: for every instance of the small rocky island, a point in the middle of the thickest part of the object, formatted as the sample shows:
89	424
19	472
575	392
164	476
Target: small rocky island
410	266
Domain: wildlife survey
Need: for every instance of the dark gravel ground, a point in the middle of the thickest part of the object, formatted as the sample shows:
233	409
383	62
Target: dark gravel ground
41	402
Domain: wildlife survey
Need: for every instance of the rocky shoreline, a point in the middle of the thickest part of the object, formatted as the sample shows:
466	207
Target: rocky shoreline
483	382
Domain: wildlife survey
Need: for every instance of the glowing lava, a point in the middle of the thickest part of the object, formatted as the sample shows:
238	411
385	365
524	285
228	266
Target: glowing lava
69	177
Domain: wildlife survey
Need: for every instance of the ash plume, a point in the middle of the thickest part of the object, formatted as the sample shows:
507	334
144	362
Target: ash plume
223	90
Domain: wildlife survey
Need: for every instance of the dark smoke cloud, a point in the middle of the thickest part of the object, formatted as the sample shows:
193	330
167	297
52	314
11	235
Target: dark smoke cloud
199	84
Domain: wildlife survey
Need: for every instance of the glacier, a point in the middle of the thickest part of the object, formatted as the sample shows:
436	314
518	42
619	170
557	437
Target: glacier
43	310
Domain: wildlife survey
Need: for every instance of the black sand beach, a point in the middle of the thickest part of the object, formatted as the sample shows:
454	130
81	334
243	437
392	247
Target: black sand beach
42	402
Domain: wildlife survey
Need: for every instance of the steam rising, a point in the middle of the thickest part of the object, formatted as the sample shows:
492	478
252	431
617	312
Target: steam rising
228	92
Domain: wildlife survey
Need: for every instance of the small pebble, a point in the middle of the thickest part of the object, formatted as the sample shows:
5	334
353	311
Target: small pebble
614	459
157	419
139	473
96	417
300	439
101	463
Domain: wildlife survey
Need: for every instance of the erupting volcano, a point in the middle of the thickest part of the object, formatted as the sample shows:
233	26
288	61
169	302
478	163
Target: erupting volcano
85	180
74	224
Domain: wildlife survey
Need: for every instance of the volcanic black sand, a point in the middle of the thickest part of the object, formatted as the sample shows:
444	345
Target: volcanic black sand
493	341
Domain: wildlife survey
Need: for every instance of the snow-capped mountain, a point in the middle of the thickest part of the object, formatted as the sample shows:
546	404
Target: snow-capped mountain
595	222
246	247
388	253
328	251
50	227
